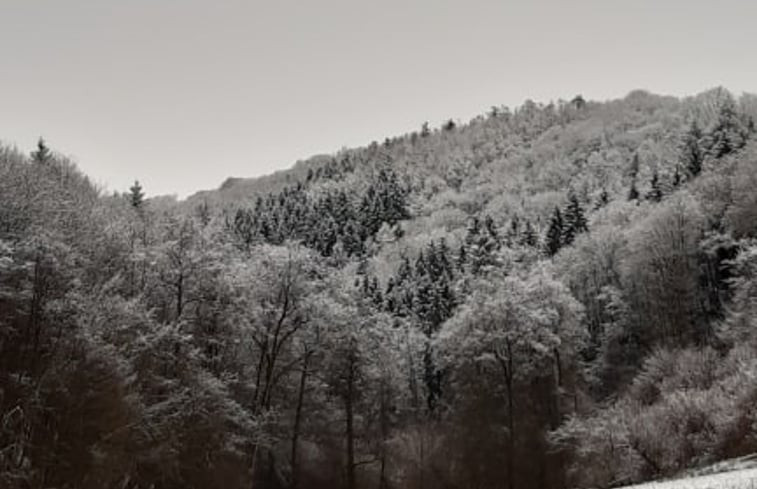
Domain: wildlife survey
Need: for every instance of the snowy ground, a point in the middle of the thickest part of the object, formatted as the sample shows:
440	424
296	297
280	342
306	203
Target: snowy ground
734	479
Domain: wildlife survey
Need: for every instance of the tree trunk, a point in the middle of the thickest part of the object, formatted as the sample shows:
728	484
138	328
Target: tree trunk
298	419
179	295
348	405
508	372
254	466
384	419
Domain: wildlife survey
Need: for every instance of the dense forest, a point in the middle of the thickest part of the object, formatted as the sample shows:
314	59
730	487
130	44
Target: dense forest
550	296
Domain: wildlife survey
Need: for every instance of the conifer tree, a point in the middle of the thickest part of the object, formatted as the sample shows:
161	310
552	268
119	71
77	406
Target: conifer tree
553	241
425	131
491	228
655	192
43	153
482	242
677	177
136	195
578	102
574	222
202	211
633	192
473	231
529	238
692	155
462	257
513	231
602	200
730	133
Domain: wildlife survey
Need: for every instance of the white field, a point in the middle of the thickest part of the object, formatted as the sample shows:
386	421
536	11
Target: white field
737	479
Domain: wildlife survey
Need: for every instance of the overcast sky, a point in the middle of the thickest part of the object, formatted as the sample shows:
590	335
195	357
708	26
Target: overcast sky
184	93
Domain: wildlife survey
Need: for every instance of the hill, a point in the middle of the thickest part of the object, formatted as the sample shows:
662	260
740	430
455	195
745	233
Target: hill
556	295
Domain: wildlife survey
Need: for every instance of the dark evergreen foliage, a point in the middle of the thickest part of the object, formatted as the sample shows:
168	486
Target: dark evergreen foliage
574	221
553	240
730	132
482	241
655	191
692	156
633	192
322	223
136	195
602	200
42	153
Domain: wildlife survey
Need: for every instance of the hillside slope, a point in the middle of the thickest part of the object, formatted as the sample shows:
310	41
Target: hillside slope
558	295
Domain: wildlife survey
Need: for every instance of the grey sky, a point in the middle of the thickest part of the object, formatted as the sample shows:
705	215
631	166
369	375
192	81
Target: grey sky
183	93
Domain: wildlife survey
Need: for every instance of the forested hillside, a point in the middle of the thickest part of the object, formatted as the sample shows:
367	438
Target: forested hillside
560	295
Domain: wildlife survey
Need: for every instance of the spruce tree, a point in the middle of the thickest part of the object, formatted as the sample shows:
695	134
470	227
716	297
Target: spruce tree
472	232
529	238
655	192
482	242
574	222
677	177
692	155
202	211
578	102
425	131
491	229
730	132
136	195
633	192
462	257
553	240
602	200
513	231
443	258
43	153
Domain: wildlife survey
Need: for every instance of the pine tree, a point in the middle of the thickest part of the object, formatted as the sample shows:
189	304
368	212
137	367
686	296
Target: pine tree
730	133
350	238
482	242
513	231
602	200
677	177
472	232
578	102
574	222
202	211
529	238
136	195
633	192
553	241
655	192
692	155
425	131
491	229
443	258
377	296
43	153
398	231
390	303
462	257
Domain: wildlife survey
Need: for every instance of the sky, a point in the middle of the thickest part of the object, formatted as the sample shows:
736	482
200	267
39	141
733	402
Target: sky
182	94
